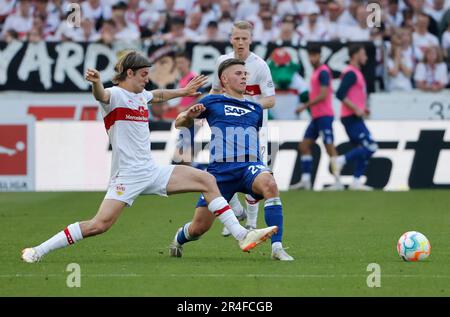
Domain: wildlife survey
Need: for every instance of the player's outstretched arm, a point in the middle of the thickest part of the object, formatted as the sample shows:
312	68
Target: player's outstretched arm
186	118
161	95
99	92
267	102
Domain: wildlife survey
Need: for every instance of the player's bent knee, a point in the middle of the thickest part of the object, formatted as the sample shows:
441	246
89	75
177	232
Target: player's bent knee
270	189
209	181
304	148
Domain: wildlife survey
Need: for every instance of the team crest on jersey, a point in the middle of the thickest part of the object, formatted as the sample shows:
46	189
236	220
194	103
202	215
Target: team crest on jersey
120	189
235	111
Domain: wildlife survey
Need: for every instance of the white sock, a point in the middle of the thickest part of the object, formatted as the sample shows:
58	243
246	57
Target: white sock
220	208
356	180
236	205
186	232
341	160
252	210
276	245
306	177
68	236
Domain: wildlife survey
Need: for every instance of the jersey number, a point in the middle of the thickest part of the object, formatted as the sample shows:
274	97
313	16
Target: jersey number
254	168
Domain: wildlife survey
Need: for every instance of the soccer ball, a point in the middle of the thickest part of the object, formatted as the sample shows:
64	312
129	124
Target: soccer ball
413	246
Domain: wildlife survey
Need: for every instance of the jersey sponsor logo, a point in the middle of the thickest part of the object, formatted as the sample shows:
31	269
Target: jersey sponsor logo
235	111
135	118
124	114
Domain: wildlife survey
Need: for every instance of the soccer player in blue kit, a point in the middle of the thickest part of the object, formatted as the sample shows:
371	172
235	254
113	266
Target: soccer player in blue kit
235	159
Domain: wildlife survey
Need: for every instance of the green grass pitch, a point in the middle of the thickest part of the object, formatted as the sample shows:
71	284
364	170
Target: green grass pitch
333	236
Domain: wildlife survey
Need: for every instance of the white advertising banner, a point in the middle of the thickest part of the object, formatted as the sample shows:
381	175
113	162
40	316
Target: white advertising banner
411	105
411	154
76	156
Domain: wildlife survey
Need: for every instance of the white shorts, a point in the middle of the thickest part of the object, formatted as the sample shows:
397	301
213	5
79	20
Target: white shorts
127	189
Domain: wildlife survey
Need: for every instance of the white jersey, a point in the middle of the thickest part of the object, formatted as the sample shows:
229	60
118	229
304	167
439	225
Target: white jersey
126	121
259	82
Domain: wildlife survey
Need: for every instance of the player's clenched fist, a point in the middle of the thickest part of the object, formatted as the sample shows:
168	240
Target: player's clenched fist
92	75
195	110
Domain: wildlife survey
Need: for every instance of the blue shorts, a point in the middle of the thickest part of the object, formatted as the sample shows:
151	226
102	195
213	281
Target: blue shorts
322	126
358	133
235	177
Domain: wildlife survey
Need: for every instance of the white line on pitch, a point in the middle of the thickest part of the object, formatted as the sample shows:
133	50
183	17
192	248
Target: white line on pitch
232	275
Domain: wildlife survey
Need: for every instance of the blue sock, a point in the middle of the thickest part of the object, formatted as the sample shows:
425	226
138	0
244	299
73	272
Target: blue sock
361	165
306	164
183	236
273	214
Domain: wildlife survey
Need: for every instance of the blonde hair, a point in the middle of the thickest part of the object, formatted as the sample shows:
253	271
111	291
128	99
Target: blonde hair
396	42
439	55
129	60
243	25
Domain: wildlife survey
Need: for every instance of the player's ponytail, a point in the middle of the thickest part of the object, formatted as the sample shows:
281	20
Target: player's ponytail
129	60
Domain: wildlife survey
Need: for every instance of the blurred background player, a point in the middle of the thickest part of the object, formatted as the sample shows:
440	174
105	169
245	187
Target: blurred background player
133	170
260	89
235	159
184	152
291	89
320	104
352	93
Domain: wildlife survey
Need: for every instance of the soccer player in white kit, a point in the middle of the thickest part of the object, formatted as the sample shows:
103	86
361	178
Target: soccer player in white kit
260	89
133	170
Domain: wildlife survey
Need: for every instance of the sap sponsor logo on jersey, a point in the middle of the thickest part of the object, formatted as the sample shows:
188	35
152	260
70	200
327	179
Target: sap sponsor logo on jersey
235	111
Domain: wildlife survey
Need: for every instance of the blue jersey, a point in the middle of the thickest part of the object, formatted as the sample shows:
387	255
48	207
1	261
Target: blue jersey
234	127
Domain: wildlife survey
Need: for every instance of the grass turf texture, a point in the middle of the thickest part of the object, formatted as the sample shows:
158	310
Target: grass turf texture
332	235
